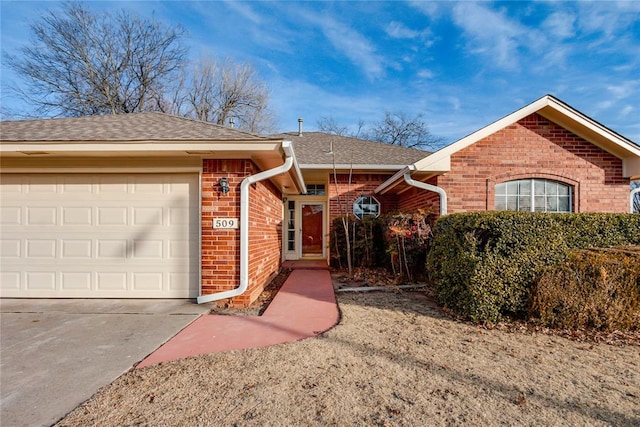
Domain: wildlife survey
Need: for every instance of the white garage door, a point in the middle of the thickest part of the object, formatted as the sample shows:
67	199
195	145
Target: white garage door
99	236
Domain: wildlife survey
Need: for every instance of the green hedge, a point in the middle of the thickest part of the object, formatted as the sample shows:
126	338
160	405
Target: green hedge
484	264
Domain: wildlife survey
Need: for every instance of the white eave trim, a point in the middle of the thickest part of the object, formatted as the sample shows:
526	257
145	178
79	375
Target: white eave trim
287	147
212	147
396	179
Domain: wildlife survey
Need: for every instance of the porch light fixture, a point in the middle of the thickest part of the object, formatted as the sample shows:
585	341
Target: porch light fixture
224	185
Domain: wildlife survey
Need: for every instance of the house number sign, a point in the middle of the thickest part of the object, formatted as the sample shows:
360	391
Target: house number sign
225	223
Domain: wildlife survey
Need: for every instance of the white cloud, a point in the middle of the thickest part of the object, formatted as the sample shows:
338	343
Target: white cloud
560	24
350	43
490	33
425	74
245	10
624	89
398	30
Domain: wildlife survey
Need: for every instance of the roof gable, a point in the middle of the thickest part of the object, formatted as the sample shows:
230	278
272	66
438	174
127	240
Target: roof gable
561	114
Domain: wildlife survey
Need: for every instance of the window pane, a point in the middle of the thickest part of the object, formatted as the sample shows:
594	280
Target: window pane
552	204
552	188
501	189
563	189
538	203
525	187
563	204
538	187
512	188
524	203
512	203
501	203
366	206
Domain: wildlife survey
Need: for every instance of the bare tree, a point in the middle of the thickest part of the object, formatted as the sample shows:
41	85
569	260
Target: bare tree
395	129
636	197
82	62
216	91
403	130
328	124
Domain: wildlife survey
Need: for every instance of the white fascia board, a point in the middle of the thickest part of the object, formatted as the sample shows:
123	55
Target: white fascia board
132	147
594	126
396	179
443	156
287	147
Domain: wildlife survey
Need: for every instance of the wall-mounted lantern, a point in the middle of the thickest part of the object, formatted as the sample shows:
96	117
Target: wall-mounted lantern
224	185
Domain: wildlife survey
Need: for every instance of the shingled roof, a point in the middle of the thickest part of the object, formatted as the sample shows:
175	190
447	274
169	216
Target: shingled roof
314	149
134	127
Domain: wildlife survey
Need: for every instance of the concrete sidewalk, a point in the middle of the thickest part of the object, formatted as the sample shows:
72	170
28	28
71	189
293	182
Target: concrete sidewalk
304	307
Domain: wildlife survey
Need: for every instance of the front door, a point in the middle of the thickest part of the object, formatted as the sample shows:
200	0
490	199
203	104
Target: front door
312	229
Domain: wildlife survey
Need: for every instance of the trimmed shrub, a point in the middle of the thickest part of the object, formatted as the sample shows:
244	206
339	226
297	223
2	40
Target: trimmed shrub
483	265
598	289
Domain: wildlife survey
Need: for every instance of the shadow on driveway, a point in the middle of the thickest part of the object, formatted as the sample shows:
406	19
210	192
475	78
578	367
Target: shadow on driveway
55	354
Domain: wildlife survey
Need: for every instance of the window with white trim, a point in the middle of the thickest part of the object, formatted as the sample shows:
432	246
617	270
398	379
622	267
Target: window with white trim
366	206
315	190
534	195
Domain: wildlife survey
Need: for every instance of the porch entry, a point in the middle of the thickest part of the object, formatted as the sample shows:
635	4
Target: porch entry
305	235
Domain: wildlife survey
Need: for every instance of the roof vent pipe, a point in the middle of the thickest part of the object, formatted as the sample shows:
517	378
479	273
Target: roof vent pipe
300	126
232	122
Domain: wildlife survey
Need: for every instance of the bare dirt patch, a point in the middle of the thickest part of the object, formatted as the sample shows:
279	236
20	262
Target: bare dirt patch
393	360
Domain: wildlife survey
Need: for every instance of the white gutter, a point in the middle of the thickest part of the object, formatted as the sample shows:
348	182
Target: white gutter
244	223
631	197
428	187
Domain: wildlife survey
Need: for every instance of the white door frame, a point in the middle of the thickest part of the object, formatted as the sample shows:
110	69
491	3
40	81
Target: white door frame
298	201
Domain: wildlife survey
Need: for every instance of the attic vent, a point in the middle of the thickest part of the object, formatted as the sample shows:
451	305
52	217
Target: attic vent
300	126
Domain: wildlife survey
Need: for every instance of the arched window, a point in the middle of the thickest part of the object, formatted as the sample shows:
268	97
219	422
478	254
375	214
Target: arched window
366	206
534	195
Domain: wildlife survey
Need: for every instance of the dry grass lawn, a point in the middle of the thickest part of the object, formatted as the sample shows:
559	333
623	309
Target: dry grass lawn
394	360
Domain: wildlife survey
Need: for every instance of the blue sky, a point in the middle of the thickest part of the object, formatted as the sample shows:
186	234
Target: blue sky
462	65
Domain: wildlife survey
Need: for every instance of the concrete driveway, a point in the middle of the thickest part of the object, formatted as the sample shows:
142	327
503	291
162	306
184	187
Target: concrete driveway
55	354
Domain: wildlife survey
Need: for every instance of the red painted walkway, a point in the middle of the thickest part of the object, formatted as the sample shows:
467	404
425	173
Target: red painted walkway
304	307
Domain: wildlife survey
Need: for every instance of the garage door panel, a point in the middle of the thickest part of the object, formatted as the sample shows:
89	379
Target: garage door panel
76	281
10	248
41	280
45	215
41	248
77	248
77	216
10	215
71	241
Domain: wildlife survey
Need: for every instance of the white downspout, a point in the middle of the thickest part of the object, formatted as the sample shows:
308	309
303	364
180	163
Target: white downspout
631	197
244	226
428	187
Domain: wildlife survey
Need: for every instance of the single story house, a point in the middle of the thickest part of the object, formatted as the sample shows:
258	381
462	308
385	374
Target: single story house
150	205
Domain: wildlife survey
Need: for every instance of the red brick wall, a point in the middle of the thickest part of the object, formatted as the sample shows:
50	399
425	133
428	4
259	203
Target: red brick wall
221	248
416	198
533	147
265	237
361	185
